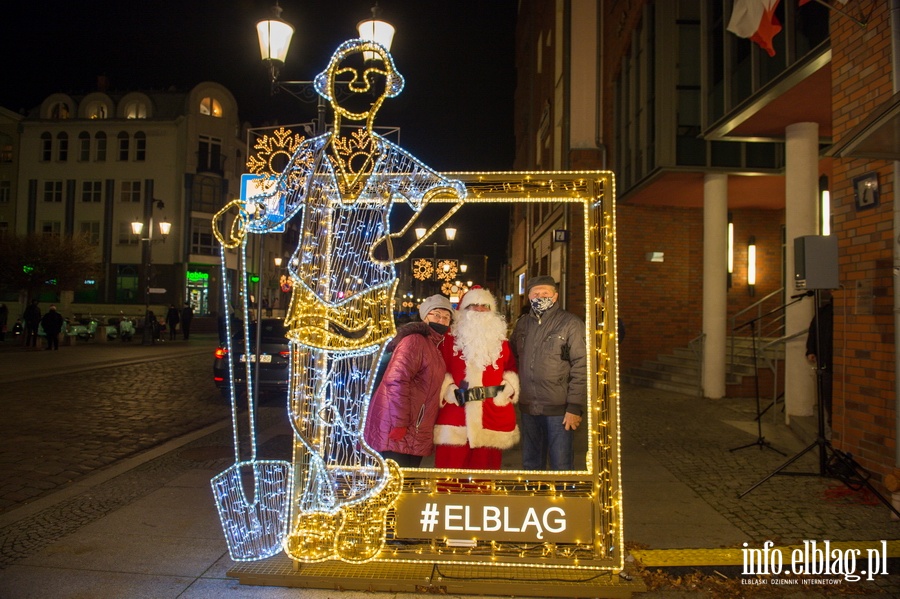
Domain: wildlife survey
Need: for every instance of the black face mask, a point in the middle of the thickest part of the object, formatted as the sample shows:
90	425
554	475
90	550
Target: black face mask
439	328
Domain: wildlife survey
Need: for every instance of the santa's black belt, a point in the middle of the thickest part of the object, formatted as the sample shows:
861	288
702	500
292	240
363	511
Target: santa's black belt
477	393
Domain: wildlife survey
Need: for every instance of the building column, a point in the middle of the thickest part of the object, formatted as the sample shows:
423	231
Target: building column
715	284
801	192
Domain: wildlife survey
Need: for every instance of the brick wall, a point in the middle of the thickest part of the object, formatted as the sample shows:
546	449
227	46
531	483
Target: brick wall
864	385
674	287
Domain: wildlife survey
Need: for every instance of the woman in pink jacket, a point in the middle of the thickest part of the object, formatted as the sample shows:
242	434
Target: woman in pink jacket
401	414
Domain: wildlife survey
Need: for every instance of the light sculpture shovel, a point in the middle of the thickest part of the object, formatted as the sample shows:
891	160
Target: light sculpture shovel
254	527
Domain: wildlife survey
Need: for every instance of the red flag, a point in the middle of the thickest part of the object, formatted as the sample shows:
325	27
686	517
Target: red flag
755	19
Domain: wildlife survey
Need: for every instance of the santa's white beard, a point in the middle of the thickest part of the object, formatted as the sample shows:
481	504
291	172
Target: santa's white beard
479	337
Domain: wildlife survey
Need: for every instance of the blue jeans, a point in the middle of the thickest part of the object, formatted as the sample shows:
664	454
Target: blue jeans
546	437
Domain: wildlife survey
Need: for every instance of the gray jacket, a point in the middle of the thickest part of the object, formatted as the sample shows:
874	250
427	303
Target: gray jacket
552	362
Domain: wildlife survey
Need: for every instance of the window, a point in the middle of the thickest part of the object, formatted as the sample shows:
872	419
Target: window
140	146
60	111
62	146
46	147
205	197
96	110
209	155
90	230
100	138
91	191
125	236
84	146
6	148
136	110
202	240
123	145
53	191
50	228
5	192
130	191
211	106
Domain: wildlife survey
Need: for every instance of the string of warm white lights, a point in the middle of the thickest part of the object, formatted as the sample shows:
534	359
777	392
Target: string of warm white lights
340	190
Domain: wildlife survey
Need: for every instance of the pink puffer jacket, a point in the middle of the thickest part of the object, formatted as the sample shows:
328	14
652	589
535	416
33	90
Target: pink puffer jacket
409	394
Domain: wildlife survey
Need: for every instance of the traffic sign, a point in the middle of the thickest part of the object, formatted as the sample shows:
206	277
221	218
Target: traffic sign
157	290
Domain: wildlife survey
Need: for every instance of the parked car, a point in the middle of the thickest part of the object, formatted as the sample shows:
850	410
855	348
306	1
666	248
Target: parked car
274	358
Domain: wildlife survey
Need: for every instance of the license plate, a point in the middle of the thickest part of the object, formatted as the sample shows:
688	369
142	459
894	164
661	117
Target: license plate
263	359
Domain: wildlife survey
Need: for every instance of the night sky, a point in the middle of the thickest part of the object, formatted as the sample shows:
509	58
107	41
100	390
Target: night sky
455	112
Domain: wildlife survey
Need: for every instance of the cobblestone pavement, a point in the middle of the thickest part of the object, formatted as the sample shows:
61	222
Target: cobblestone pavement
212	452
57	429
692	437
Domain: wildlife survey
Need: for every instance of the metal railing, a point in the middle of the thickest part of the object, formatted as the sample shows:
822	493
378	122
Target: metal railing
765	314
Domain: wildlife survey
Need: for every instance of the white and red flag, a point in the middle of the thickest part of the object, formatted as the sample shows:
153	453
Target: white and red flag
755	19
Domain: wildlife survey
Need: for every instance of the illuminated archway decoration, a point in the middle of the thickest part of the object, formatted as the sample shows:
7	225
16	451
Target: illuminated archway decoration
340	189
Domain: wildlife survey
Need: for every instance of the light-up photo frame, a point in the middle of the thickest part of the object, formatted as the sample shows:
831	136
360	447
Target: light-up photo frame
590	496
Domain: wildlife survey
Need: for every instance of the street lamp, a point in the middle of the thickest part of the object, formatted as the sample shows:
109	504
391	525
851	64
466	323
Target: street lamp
275	34
137	227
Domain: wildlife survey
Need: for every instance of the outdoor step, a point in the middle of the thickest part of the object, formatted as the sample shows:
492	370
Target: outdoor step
633	379
676	363
681	377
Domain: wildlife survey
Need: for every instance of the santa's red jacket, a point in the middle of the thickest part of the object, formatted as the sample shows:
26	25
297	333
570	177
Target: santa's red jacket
487	423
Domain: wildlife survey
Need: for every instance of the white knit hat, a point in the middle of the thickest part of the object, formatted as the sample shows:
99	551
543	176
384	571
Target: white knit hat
432	303
478	295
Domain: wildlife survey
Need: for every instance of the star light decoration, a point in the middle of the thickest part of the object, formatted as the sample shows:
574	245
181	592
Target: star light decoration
340	318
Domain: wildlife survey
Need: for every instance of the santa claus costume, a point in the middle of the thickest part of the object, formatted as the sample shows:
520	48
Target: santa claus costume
477	418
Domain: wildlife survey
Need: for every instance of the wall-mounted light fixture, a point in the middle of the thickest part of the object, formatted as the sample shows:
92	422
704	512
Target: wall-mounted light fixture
824	206
730	250
751	266
865	191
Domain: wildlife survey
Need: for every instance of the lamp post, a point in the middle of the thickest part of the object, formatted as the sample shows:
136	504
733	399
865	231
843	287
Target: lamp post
138	227
275	34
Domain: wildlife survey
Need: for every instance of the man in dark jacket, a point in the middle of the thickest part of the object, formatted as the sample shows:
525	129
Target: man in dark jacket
549	345
820	351
32	319
52	323
187	315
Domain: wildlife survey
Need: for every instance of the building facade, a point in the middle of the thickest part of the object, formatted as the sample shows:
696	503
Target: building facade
721	151
91	165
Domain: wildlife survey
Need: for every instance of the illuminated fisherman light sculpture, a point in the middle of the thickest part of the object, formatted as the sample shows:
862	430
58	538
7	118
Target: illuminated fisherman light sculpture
340	317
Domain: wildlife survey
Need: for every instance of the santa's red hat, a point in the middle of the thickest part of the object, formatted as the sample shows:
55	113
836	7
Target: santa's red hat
477	295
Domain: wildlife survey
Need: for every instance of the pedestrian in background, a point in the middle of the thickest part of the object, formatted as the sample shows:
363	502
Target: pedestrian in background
4	317
401	414
187	315
32	320
172	319
549	344
53	324
820	352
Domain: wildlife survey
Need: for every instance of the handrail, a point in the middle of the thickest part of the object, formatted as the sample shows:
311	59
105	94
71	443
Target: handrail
767	352
693	344
772	327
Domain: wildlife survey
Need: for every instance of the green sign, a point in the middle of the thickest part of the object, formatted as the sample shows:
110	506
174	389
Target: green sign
196	275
